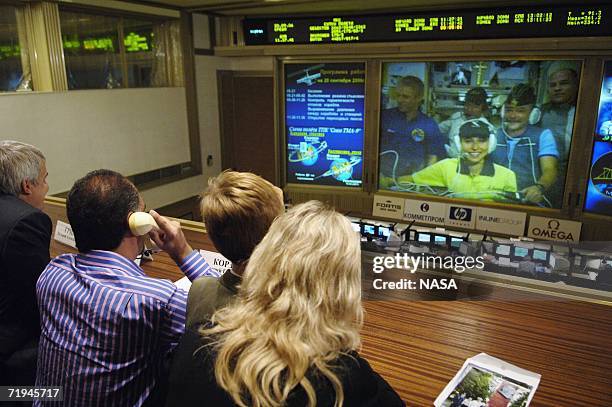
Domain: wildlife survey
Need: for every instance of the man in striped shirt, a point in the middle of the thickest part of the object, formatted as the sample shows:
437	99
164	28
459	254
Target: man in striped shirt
108	330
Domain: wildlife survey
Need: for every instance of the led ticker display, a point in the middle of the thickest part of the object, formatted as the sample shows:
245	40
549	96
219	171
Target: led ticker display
324	107
133	42
9	51
591	20
599	191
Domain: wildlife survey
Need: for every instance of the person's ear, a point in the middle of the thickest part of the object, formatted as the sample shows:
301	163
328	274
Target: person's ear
127	222
26	187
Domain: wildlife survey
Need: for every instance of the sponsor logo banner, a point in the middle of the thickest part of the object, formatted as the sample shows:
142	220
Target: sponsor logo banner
462	216
554	229
500	221
425	212
388	207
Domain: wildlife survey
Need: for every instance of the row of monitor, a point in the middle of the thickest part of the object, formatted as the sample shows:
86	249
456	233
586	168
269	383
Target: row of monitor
436	239
518	253
374	232
566	263
514	252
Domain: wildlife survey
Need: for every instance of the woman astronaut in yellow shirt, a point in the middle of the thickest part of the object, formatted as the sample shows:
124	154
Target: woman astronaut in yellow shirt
473	174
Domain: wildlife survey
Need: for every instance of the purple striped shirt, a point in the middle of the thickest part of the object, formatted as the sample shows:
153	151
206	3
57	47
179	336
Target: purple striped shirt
108	330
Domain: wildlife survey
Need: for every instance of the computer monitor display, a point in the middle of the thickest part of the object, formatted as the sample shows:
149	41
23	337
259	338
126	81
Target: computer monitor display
464	248
384	231
502	250
440	240
599	191
520	252
577	260
424	237
593	263
456	242
424	134
369	230
324	109
540	255
487	247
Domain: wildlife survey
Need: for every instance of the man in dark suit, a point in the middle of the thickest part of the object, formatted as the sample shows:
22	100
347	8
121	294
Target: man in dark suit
25	233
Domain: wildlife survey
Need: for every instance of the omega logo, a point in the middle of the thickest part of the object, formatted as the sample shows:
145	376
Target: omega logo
552	231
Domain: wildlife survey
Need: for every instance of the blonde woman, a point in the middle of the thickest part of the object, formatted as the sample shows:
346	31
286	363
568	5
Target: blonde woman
291	336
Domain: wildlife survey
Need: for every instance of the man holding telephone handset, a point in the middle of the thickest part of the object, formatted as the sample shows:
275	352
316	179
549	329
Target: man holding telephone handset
108	330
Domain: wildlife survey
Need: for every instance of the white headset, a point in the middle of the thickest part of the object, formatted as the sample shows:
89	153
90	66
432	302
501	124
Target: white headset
534	116
481	121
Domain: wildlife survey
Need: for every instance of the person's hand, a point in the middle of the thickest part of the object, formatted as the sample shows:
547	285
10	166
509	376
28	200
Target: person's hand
533	194
169	237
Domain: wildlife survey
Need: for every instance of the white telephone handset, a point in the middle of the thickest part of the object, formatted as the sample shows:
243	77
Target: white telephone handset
141	223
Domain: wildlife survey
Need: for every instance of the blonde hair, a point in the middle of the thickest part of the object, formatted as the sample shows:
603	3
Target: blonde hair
238	208
299	308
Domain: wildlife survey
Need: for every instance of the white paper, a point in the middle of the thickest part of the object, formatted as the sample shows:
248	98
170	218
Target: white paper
63	234
506	380
216	261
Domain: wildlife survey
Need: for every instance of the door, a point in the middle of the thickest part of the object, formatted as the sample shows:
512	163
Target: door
246	101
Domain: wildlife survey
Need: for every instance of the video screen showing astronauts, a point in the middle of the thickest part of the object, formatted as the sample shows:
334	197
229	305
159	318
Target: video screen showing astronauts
324	107
483	130
599	192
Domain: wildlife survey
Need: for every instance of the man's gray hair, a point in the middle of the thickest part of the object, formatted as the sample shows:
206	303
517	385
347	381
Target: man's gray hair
18	162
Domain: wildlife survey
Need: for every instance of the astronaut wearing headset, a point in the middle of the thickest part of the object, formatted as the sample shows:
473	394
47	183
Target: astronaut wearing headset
531	152
472	174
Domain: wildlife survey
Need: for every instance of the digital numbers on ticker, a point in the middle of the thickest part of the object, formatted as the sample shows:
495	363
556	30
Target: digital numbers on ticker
515	22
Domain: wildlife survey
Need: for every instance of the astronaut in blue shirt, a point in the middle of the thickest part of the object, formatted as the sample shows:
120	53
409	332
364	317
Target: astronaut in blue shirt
531	152
410	140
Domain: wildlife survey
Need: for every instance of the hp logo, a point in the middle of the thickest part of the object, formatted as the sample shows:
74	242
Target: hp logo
459	213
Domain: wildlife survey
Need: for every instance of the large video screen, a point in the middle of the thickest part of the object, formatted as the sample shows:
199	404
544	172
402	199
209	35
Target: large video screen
481	130
324	109
599	192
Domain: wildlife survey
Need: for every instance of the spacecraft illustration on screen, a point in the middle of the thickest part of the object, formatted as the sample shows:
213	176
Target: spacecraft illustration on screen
601	174
341	169
308	79
308	153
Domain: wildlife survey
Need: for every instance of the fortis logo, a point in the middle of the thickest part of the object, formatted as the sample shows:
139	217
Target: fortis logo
388	205
460	213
